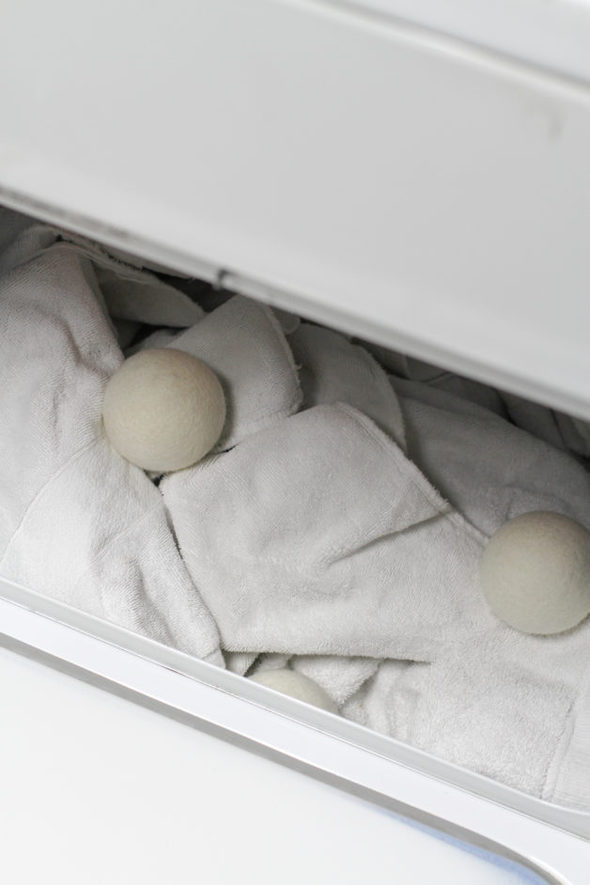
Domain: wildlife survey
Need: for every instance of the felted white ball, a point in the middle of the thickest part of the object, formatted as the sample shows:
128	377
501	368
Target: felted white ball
535	573
163	409
296	685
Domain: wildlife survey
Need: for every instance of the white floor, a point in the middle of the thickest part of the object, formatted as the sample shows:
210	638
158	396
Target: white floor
95	789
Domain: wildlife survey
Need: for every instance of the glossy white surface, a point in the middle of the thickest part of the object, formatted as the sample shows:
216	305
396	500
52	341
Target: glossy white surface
534	834
405	183
553	34
96	789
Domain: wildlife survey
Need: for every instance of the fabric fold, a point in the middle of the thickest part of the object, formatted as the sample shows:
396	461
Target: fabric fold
243	343
310	538
77	522
335	371
486	467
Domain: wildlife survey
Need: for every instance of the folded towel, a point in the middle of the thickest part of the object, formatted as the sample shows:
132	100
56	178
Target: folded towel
486	467
289	321
510	706
315	541
239	662
77	522
400	364
21	238
309	538
335	371
500	703
341	678
243	342
270	661
143	298
562	431
132	293
382	703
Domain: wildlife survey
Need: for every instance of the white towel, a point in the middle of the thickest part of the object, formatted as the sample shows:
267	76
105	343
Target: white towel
334	370
270	661
486	467
132	293
77	522
21	238
563	431
143	298
499	703
340	677
557	428
507	705
310	538
381	702
243	342
400	364
239	662
289	321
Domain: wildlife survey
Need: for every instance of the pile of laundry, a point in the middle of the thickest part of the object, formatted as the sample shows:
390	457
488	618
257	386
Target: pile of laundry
336	529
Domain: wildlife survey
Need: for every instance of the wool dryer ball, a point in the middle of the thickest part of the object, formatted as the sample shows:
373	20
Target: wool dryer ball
297	686
163	409
535	573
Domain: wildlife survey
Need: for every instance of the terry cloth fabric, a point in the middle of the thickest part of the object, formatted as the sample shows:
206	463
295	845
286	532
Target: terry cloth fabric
400	364
567	781
130	293
486	467
381	704
309	538
21	238
340	677
243	343
140	297
334	370
77	522
509	706
317	543
513	707
562	431
239	662
407	367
